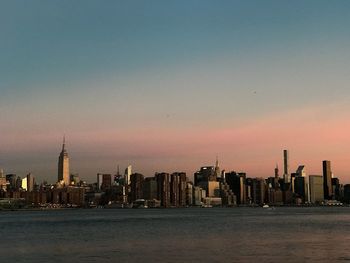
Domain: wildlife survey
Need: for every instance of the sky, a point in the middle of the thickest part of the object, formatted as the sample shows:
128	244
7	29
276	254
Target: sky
170	85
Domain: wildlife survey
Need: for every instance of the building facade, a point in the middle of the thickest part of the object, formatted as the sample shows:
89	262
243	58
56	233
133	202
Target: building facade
327	180
63	165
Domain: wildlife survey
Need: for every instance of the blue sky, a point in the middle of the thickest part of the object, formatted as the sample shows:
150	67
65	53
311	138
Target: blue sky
117	67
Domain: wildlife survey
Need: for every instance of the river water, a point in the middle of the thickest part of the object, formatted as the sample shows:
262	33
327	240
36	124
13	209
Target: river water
320	234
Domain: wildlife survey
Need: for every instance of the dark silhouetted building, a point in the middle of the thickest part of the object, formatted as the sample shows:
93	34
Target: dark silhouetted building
136	184
189	193
182	188
12	180
104	181
336	189
327	180
299	187
163	188
150	188
67	195
205	174
30	182
236	181
347	193
316	189
258	191
286	166
174	189
178	189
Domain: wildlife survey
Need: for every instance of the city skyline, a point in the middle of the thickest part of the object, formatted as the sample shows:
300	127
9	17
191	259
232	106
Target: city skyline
168	86
64	173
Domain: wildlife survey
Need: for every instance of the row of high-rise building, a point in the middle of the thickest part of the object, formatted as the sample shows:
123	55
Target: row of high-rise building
214	187
312	188
210	187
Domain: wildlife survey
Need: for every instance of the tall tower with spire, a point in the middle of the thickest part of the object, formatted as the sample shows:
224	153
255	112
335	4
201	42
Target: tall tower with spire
63	165
217	168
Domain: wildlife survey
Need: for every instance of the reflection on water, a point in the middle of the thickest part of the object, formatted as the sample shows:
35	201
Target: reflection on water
177	235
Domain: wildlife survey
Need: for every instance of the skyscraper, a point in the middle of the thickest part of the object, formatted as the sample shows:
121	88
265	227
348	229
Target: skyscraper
277	172
258	191
316	189
136	185
150	188
127	174
104	181
30	182
174	189
237	183
327	180
217	168
163	188
301	183
63	165
286	166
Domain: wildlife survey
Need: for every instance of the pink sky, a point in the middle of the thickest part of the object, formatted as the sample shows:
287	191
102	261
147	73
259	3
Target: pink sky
312	134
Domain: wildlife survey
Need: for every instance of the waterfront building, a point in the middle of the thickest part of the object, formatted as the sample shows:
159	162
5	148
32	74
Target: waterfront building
27	183
277	172
198	195
118	178
12	182
174	189
63	165
36	197
181	189
127	174
286	175
150	188
274	196
30	182
223	176
258	191
316	189
163	188
189	193
347	193
67	195
299	187
178	189
104	181
136	186
213	189
337	189
99	181
206	173
74	179
227	195
273	182
18	183
301	184
24	184
327	180
237	183
217	172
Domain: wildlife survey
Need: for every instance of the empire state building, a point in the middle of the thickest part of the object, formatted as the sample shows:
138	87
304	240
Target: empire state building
63	165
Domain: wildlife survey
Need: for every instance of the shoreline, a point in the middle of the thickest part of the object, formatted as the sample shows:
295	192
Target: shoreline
170	208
